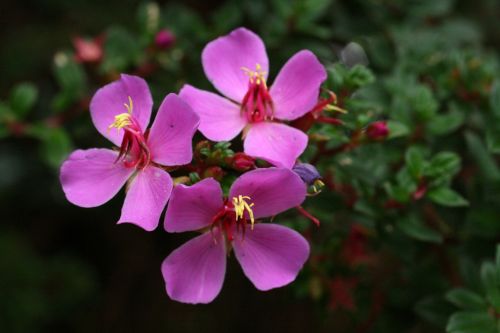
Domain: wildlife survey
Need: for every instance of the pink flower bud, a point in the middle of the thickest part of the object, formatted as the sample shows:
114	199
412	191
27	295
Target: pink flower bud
164	39
243	162
377	130
88	50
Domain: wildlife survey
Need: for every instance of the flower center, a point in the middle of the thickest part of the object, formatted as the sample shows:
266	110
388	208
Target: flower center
134	151
257	104
235	213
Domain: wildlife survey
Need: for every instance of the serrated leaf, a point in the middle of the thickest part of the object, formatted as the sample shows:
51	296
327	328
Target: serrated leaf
466	299
447	197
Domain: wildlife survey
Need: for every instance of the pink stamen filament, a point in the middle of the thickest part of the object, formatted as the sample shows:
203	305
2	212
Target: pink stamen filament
257	104
134	145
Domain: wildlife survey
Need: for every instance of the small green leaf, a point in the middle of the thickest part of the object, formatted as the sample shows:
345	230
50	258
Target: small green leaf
414	228
445	164
471	322
491	281
443	124
447	197
495	98
466	299
482	158
359	76
22	99
56	145
397	129
415	161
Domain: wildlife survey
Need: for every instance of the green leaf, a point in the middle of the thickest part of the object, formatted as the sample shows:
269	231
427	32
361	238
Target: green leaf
471	322
71	78
445	164
447	197
397	129
491	281
423	102
483	159
414	228
56	145
121	49
23	98
148	19
446	123
466	299
495	98
415	161
359	76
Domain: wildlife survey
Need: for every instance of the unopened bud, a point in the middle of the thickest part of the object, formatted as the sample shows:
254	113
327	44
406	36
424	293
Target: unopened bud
164	39
242	162
88	50
215	172
377	130
307	172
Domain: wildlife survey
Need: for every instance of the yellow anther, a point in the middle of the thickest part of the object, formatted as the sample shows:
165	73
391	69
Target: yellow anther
318	186
123	119
241	205
258	74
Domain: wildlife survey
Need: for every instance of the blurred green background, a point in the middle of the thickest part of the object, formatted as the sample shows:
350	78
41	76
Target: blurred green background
430	67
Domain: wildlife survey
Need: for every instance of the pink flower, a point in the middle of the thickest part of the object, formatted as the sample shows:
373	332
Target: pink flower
121	112
271	255
237	66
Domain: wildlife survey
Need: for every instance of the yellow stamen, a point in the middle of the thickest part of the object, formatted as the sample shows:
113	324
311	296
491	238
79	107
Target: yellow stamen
241	205
258	75
123	119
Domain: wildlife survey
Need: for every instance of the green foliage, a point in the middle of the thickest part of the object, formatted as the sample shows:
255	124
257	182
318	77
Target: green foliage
478	312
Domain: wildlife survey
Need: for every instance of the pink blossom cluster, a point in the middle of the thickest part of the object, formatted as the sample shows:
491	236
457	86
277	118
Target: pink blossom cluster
271	255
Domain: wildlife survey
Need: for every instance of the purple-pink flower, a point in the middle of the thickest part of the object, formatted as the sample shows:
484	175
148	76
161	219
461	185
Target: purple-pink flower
237	65
121	112
271	255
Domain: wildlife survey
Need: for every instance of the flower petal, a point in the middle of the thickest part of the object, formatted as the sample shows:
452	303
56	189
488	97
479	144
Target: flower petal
91	177
146	197
272	190
109	101
194	272
171	135
220	119
271	255
193	207
295	90
224	58
278	144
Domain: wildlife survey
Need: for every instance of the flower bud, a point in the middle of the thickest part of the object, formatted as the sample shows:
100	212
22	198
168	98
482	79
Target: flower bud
377	130
88	50
307	172
242	162
164	39
215	172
